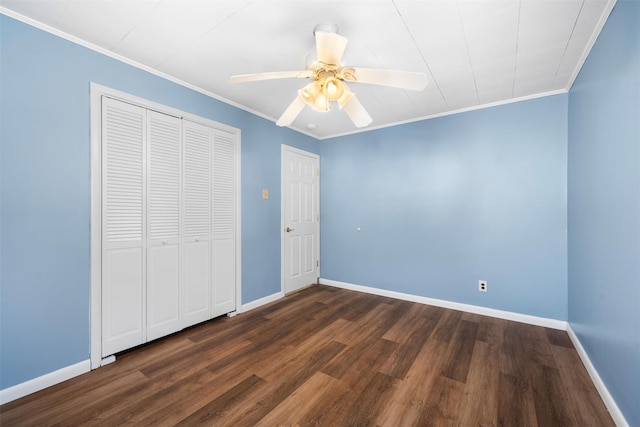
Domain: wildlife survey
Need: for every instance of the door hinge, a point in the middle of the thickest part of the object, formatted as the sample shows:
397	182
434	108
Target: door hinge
317	218
317	263
317	172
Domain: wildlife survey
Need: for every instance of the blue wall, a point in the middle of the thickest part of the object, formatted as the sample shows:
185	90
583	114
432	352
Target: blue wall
445	202
45	198
604	207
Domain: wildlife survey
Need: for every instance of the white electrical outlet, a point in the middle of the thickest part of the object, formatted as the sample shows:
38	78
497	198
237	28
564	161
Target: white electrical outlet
482	285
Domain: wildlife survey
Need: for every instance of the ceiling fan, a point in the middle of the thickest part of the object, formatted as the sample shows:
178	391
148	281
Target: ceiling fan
328	80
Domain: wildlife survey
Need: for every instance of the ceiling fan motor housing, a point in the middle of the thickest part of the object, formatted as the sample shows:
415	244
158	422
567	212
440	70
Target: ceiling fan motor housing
325	28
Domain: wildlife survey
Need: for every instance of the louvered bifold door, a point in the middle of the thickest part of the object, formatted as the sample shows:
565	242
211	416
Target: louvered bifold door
225	152
163	224
196	289
123	213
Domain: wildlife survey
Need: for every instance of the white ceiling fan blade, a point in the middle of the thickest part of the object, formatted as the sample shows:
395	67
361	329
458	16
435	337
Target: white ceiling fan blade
357	112
243	78
330	47
291	112
400	79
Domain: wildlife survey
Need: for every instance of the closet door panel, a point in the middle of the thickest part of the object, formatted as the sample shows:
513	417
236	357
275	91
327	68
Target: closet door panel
224	277
163	224
123	299
224	222
197	283
162	292
123	212
196	295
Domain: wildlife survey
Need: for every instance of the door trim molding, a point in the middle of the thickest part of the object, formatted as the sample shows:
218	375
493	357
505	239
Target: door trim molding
284	148
95	111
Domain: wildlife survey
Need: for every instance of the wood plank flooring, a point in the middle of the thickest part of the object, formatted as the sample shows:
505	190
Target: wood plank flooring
332	357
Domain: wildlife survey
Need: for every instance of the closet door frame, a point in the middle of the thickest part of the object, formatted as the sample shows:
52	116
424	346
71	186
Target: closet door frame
96	93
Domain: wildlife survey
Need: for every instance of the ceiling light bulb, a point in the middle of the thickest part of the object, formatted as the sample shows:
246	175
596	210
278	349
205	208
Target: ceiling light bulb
333	88
321	103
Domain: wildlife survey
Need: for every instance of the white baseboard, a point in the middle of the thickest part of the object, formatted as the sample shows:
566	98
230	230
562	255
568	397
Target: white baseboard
19	390
507	315
262	301
611	405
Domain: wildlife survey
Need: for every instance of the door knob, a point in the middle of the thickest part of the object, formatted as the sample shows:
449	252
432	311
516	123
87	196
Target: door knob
288	230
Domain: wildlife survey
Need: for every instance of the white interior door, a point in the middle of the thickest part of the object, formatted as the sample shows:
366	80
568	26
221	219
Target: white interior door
300	218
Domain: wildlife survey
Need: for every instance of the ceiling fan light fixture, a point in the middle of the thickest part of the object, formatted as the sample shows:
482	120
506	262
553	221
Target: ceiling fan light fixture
313	96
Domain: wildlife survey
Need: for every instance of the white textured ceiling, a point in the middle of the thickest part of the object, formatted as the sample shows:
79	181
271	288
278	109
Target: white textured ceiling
474	52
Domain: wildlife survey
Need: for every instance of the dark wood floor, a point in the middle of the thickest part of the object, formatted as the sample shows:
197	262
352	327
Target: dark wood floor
329	357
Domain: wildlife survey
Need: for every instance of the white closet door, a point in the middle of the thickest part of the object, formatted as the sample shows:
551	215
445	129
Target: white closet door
123	213
167	225
163	232
196	289
224	223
